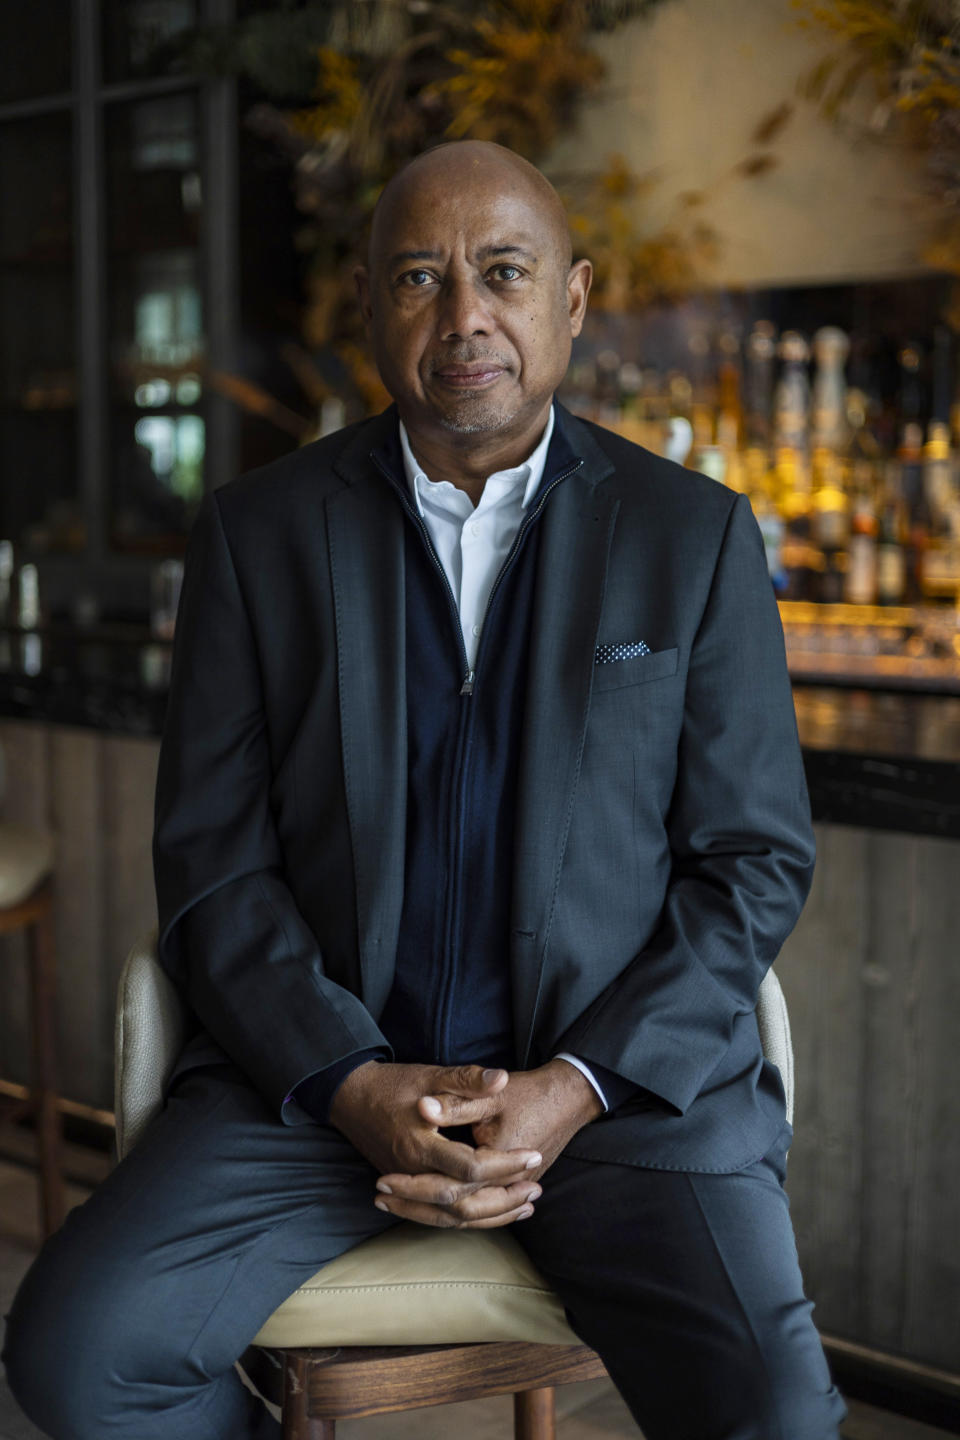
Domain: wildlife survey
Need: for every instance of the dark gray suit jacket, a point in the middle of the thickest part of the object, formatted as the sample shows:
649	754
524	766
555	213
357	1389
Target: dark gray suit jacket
663	848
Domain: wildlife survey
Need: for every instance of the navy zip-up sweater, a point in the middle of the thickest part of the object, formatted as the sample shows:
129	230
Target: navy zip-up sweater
451	1001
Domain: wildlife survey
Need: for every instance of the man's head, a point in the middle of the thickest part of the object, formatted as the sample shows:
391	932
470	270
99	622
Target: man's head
470	295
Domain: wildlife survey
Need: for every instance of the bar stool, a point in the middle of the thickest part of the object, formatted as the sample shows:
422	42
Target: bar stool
26	903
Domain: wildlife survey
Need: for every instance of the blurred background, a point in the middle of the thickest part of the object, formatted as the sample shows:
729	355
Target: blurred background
770	191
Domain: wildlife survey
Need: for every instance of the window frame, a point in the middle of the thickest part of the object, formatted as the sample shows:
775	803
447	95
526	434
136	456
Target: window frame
111	572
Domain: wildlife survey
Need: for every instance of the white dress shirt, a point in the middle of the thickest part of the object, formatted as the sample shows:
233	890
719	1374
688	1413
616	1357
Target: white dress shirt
472	543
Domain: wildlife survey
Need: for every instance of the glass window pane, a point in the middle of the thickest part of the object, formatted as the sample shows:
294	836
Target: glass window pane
156	321
39	504
35	45
137	35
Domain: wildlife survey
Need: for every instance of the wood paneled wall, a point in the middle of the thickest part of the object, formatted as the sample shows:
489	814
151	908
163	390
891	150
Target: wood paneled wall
871	976
95	793
872	981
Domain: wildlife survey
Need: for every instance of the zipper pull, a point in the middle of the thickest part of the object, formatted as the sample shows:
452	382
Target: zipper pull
467	687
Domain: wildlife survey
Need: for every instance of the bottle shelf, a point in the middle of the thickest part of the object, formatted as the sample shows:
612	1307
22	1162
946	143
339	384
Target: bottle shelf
909	647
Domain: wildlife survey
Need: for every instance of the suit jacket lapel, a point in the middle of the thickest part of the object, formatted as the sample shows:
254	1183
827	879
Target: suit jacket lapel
365	529
578	527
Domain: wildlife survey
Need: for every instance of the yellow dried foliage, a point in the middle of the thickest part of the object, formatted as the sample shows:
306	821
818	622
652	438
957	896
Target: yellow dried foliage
911	49
340	98
631	269
516	85
915	62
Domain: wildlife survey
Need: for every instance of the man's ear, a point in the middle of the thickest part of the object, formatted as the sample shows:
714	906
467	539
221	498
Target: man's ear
361	278
579	280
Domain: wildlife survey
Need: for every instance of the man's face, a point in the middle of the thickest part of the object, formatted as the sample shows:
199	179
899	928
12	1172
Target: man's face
471	302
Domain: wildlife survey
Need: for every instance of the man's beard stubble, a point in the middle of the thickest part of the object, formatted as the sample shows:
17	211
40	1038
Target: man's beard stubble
476	417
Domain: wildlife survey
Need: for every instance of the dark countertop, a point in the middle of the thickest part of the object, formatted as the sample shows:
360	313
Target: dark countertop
879	759
113	679
882	760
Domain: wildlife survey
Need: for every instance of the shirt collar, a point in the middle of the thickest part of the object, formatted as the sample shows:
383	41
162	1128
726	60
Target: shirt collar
530	472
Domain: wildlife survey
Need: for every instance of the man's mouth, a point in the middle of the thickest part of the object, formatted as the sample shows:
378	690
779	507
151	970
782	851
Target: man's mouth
468	377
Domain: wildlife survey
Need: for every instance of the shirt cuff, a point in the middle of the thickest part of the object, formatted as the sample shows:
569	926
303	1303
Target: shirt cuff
612	1089
587	1073
315	1094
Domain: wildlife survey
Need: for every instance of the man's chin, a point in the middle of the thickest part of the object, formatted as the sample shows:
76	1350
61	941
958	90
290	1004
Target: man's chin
480	416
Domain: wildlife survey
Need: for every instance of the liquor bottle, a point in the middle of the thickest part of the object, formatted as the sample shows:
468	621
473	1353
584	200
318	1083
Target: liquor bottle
831	346
758	483
941	561
861	578
938	476
915	509
724	457
679	433
891	560
911	405
703	380
792	396
730	427
704	455
830	523
942	375
862	443
761	352
802	560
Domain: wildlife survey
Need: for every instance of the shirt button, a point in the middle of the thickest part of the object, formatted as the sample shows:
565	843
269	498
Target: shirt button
475	529
476	629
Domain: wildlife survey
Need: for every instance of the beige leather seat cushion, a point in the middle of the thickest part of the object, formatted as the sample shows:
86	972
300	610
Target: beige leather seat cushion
419	1286
26	858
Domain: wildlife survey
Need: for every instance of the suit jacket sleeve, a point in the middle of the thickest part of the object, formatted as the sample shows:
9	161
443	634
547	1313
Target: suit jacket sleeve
741	842
231	936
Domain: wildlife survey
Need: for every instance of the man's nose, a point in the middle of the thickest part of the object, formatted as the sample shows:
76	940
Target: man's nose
465	309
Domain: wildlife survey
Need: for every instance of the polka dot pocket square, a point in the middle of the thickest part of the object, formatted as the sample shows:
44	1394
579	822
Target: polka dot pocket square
629	650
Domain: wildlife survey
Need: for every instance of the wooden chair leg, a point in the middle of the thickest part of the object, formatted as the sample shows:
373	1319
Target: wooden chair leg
297	1424
43	992
535	1414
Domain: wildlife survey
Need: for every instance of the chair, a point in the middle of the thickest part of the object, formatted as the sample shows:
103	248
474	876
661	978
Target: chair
26	903
397	1322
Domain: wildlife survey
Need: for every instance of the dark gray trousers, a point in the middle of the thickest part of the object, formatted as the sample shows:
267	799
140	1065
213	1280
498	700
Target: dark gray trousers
130	1319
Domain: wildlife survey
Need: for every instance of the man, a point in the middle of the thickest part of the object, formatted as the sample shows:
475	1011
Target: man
480	805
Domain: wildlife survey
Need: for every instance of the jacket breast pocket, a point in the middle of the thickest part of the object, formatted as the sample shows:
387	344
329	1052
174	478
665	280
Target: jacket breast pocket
655	665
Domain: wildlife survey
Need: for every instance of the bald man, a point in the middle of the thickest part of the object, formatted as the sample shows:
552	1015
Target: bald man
480	817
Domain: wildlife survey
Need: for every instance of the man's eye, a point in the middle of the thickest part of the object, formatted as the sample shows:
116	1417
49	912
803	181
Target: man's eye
507	272
417	278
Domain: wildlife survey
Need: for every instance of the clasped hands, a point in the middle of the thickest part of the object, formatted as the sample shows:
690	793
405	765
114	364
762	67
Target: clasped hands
521	1120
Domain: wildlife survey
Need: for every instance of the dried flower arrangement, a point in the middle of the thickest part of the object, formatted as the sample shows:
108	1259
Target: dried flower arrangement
908	51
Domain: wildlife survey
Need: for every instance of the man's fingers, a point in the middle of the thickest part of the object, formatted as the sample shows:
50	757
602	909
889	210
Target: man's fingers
491	1206
447	1109
482	1165
469	1081
442	1219
455	1195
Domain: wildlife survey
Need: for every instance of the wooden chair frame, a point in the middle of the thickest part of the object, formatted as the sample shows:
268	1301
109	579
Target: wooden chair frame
316	1388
